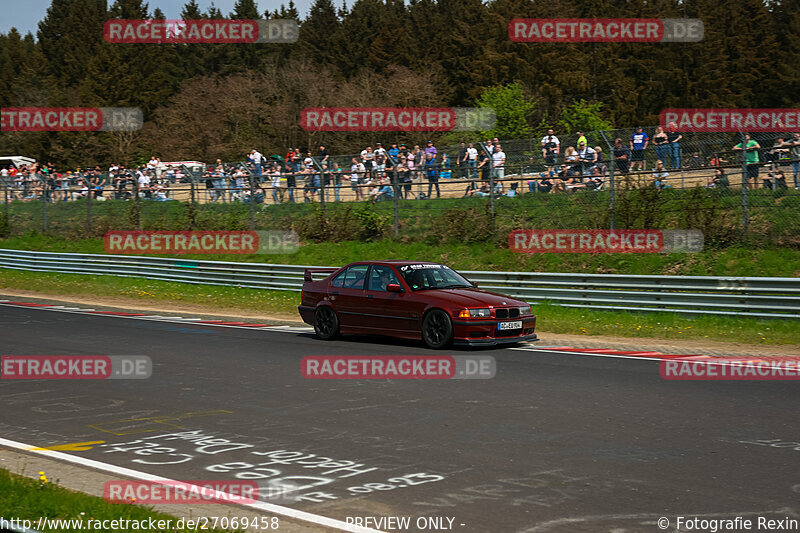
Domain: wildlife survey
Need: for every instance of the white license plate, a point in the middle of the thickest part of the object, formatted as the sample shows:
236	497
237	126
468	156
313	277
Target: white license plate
510	325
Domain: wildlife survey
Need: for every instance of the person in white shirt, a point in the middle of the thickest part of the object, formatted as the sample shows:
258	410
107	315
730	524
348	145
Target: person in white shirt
472	161
275	183
355	169
499	162
588	157
144	184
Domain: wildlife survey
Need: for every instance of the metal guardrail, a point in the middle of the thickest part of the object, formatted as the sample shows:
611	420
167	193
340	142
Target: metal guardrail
711	295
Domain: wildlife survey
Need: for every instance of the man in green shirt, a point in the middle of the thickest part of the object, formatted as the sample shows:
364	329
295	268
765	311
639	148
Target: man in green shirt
751	157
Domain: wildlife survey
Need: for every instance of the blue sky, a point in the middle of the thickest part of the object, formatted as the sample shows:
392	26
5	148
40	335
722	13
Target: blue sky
25	15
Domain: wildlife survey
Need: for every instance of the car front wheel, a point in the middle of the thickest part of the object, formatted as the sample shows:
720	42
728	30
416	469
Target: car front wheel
326	323
437	329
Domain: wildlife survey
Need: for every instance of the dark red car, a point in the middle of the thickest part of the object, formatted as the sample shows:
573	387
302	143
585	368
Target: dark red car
412	300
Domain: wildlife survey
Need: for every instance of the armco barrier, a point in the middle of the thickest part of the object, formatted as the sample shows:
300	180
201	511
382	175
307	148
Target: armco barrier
713	295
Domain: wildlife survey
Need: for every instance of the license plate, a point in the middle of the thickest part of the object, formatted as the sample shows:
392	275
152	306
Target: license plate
509	325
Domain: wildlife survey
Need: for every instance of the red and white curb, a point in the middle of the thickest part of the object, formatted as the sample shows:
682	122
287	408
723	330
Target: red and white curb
158	318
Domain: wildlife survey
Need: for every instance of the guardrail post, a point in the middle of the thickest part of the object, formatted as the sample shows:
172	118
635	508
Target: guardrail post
491	183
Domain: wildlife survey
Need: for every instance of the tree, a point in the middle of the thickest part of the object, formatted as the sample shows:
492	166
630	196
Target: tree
583	116
512	109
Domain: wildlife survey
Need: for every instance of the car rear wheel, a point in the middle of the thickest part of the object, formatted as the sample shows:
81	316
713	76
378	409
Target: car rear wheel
437	329
326	323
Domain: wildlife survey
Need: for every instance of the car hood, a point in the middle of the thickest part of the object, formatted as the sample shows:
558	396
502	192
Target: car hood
472	297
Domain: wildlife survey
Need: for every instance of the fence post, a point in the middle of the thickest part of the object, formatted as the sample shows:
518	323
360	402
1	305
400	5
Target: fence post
491	182
396	196
43	179
89	213
612	163
745	218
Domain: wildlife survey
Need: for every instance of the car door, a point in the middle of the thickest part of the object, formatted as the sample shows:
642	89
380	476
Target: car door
346	292
385	308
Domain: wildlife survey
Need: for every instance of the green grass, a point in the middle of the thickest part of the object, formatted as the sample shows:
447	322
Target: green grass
25	498
551	318
731	261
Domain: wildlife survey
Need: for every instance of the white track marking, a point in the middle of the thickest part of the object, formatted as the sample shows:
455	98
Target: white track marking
144	476
589	354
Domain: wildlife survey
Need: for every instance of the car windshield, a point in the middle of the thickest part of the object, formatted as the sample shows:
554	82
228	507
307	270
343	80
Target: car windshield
430	276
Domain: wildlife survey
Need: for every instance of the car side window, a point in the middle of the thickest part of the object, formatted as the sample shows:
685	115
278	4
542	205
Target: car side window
380	277
353	277
338	281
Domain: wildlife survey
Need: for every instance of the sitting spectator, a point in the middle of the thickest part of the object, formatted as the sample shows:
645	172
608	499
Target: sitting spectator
660	176
696	161
718	180
601	160
775	180
545	184
512	192
596	181
383	191
571	167
446	173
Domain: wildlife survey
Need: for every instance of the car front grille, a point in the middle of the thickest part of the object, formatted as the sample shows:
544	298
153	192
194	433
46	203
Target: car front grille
512	312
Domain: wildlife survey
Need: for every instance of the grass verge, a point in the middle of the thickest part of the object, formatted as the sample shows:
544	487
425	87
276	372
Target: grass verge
551	318
31	499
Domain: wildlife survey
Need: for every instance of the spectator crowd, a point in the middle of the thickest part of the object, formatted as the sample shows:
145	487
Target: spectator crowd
378	173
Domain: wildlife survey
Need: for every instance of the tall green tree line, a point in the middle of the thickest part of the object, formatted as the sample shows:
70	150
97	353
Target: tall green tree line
451	50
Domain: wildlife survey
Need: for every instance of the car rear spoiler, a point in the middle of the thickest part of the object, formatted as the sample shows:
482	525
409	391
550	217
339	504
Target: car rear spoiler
307	275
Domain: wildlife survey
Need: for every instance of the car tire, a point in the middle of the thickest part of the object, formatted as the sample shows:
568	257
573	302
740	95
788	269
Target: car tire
326	323
437	329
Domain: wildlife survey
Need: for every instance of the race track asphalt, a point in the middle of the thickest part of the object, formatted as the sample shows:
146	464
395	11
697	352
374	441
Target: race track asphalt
554	442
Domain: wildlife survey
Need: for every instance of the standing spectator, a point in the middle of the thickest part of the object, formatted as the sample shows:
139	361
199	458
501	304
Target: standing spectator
290	171
356	169
472	161
404	176
751	149
431	149
394	151
795	143
661	142
291	156
587	157
258	162
274	174
674	150
551	147
144	182
324	157
581	139
660	176
380	150
432	173
462	160
622	156
485	165
638	143
368	160
499	162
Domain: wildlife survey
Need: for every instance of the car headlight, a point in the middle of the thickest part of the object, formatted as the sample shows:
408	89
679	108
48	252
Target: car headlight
474	313
525	310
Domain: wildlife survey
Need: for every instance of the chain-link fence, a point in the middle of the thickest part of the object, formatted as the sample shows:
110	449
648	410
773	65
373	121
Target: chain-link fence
643	178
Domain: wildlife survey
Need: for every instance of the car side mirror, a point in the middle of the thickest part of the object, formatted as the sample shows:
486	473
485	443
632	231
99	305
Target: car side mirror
474	284
394	287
